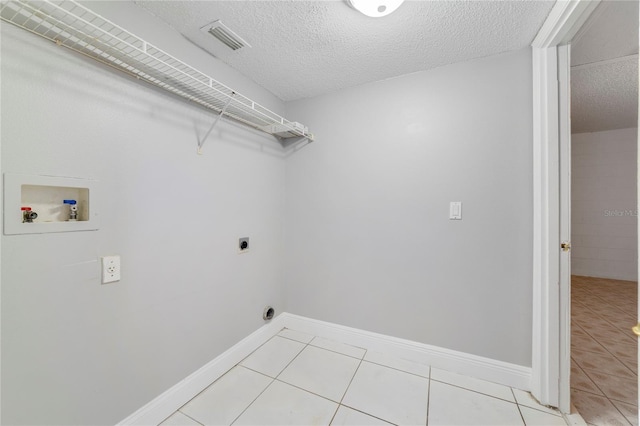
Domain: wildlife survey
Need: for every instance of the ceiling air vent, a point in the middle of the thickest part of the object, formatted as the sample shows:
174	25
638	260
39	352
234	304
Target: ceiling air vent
230	39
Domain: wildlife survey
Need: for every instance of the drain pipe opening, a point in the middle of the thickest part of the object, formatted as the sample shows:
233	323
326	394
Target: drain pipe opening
268	313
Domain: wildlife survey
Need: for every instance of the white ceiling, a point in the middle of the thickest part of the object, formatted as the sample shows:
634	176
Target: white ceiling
604	75
302	49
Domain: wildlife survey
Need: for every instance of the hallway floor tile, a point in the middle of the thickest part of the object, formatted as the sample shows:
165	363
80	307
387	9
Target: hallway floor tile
604	350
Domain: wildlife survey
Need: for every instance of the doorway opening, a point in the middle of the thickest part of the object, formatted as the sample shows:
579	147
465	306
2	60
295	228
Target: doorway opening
604	228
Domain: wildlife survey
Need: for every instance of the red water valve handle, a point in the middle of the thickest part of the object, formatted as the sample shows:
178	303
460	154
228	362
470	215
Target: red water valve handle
25	209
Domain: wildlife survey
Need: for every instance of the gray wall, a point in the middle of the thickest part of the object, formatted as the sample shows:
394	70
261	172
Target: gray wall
368	240
603	204
362	211
75	351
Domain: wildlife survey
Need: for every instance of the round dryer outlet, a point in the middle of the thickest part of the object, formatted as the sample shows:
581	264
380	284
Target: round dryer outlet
268	313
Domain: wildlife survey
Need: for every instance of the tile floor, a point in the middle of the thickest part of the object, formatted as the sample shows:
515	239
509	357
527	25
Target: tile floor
604	351
299	379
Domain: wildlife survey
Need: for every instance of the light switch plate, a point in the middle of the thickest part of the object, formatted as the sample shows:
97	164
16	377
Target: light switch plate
455	210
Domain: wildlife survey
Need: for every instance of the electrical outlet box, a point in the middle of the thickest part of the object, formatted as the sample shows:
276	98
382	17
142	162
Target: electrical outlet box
243	245
110	269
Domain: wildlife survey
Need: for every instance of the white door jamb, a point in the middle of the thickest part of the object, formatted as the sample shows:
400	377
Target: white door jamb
561	26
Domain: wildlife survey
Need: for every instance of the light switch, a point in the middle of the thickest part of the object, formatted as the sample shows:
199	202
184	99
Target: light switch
455	210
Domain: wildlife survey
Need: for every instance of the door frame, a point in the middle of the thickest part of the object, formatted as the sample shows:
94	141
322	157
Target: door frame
548	373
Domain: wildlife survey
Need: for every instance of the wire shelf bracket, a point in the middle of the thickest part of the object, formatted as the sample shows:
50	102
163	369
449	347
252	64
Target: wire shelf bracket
72	25
224	109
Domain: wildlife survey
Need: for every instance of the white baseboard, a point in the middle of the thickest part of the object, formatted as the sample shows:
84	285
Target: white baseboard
446	359
158	409
457	362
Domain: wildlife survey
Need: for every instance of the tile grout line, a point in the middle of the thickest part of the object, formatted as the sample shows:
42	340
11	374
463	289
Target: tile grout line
597	340
251	403
518	405
348	386
336	352
273	379
352	377
368	414
428	396
586	330
186	415
238	364
515	401
558	414
363	356
321	396
398	369
594	383
306	390
340	404
604	347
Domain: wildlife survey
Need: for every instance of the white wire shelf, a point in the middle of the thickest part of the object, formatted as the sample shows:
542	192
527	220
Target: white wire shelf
76	27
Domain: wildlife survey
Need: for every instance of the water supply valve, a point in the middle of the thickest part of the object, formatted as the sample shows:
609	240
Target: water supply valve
73	210
28	215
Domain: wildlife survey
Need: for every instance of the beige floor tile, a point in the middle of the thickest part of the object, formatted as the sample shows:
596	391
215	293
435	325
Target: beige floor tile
580	381
597	410
604	384
631	363
608	332
620	349
576	330
623	389
586	343
608	364
630	411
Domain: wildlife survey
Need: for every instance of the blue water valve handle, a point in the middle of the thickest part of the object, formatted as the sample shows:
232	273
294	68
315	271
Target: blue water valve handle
73	210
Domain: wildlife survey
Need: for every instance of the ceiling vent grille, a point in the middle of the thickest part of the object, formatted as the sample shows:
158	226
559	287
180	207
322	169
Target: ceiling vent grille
225	35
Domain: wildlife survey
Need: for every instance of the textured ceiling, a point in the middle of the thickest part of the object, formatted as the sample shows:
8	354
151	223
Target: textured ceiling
302	49
604	77
611	32
605	97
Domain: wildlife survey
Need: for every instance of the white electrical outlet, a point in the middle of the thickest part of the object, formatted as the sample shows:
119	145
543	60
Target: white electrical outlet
110	269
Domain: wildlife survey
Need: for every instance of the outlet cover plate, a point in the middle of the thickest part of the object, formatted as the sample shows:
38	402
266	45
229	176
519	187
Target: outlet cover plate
110	269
